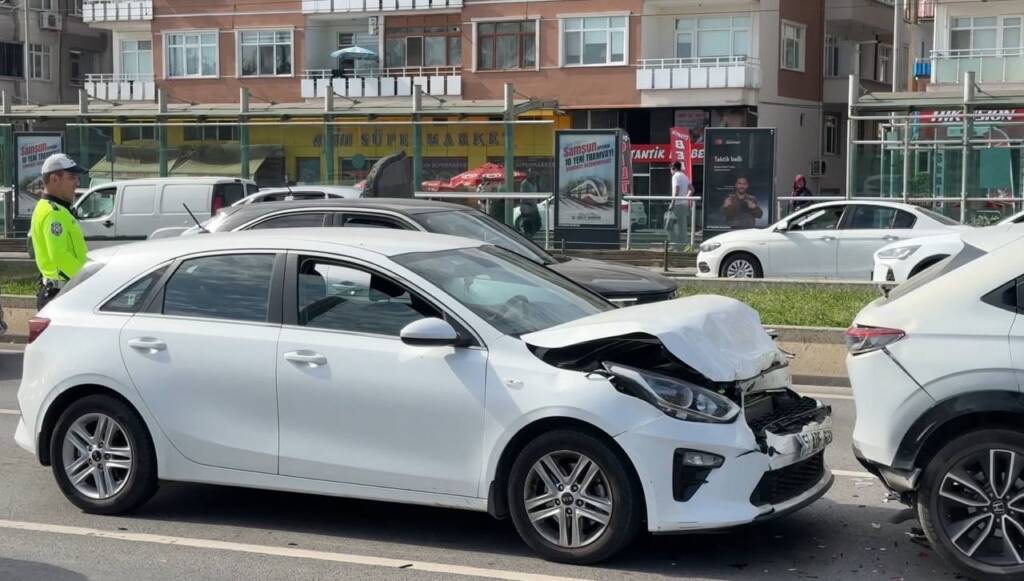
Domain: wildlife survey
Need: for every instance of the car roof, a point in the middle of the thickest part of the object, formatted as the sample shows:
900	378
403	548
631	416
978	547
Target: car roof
407	206
866	202
308	188
174	180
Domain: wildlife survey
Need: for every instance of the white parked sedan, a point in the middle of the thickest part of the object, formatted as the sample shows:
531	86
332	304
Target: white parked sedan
828	240
416	368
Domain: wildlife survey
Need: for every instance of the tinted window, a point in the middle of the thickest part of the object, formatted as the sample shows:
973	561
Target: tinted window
904	220
236	287
823	219
98	204
871	218
230	193
303	220
356	221
341	298
130	299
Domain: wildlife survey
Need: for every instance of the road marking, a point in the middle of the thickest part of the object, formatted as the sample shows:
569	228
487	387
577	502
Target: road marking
853	474
10	412
825	395
279	551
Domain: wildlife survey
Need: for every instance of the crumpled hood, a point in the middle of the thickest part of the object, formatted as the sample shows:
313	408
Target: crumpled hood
612	279
719	337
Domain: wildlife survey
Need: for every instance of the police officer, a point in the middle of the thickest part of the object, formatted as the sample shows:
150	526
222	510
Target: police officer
56	237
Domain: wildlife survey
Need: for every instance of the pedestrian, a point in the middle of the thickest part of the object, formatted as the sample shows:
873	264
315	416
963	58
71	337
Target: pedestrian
740	208
675	216
57	239
800	191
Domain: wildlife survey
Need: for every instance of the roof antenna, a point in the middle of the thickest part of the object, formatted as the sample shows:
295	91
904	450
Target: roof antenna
194	219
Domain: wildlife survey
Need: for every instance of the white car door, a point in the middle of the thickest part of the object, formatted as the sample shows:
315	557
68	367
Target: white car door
203	358
866	229
357	405
95	213
808	246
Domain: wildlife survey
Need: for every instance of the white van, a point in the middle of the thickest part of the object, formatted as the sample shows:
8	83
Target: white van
119	212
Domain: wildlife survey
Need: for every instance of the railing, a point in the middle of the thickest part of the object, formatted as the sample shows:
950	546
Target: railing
732	72
386	82
117	10
998	65
329	6
120	87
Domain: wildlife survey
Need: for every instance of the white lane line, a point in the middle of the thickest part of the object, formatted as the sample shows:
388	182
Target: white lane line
853	474
279	551
10	413
825	395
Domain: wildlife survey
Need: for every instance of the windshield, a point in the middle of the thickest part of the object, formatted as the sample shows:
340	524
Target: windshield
480	226
938	217
515	295
966	255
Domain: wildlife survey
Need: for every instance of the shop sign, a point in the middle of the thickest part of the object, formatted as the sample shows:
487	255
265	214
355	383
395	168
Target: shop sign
402	138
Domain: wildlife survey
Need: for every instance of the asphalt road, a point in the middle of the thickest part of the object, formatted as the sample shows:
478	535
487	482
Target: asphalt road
200	532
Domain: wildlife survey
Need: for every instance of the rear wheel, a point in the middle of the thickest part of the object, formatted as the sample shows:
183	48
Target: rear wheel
102	456
573	499
971	504
741	265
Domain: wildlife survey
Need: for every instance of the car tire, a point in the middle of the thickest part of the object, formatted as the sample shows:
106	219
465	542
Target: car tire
743	265
612	493
91	446
941	517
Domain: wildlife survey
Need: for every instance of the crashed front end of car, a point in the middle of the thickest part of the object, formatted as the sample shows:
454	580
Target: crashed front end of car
735	444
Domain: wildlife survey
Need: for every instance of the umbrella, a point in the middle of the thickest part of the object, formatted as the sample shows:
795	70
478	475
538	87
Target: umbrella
354	52
486	173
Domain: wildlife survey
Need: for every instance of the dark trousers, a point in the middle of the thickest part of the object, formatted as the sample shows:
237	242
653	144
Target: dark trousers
44	295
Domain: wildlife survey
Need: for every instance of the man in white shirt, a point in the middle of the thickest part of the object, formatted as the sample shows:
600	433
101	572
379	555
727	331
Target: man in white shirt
675	216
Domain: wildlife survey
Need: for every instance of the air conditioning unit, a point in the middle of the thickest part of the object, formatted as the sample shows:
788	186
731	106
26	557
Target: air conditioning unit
818	168
50	21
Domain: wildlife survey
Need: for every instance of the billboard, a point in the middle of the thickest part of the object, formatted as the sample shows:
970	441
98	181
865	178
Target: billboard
739	178
32	150
587	174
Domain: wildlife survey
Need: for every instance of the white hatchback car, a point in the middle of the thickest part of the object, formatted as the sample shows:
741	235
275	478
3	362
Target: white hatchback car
937	368
828	240
417	368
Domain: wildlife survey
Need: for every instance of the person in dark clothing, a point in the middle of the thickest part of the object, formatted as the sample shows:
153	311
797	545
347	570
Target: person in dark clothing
800	190
740	208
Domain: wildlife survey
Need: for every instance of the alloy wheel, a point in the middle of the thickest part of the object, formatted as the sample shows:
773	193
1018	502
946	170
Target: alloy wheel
981	507
568	499
97	456
739	268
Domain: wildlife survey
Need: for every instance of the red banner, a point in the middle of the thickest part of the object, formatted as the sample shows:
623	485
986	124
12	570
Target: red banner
680	149
626	173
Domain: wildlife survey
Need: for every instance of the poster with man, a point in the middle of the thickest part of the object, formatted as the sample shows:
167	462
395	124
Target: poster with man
32	149
587	179
739	178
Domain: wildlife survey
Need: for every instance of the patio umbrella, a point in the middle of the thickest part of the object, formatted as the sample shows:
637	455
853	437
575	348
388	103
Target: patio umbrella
486	173
356	52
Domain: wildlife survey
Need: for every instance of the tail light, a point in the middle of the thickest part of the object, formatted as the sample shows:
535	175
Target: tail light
36	326
218	203
861	339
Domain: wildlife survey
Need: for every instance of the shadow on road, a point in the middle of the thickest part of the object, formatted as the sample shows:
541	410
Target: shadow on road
14	570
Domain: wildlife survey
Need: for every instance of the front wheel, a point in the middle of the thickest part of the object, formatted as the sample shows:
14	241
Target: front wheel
573	499
971	503
741	265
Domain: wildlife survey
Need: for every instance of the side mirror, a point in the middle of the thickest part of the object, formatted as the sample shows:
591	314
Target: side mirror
430	332
782	228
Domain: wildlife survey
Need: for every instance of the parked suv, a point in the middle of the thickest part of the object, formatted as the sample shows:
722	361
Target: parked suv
936	368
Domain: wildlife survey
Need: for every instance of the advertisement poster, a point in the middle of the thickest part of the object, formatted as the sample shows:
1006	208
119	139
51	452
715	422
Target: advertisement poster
680	149
587	179
739	178
33	149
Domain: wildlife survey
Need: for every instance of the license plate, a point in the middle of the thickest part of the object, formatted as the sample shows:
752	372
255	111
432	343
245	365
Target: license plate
814	441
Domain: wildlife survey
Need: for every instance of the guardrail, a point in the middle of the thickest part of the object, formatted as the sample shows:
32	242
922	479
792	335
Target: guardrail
691	202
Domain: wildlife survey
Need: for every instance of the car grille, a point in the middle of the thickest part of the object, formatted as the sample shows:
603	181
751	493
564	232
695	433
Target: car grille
782	412
787	483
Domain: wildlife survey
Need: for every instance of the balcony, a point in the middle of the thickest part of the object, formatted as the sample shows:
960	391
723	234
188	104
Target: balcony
120	87
396	82
117	11
359	6
1004	65
735	72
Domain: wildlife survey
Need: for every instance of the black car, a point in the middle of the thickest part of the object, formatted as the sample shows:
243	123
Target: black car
620	283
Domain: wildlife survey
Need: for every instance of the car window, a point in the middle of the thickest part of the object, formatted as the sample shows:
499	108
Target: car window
871	218
130	299
98	204
235	286
229	193
293	220
342	298
904	220
823	219
367	221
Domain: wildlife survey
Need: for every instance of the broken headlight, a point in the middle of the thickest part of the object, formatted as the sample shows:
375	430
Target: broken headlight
675	397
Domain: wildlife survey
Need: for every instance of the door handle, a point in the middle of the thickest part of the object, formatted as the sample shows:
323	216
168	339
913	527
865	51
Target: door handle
828	238
310	358
890	238
108	223
147	344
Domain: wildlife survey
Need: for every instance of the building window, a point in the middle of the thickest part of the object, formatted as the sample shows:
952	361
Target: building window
75	64
793	46
137	133
883	72
39	62
76	7
985	33
713	36
506	45
137	58
831	55
430	46
831	135
595	41
211	133
265	53
191	54
12	60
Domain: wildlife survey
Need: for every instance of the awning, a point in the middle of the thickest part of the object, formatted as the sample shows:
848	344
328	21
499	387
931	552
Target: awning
194	167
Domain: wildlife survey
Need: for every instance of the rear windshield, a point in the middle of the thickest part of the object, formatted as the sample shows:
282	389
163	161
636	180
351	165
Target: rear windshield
967	255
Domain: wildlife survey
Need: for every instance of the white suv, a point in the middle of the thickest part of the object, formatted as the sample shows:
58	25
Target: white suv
417	368
937	369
